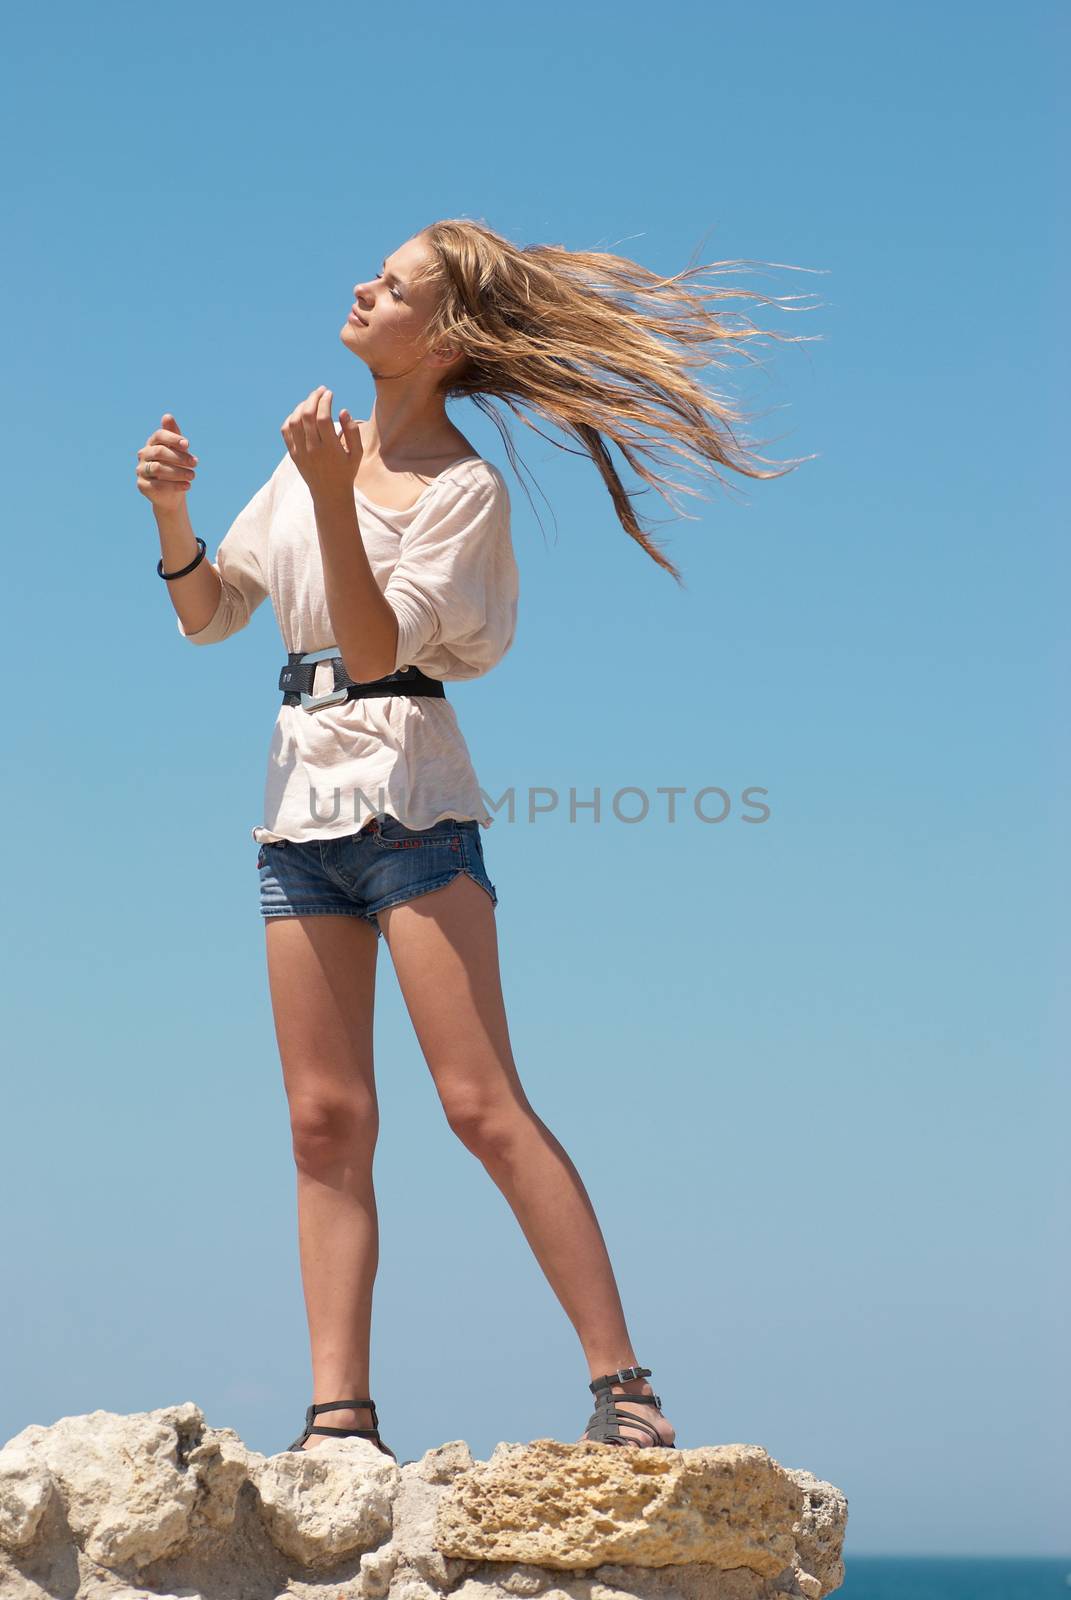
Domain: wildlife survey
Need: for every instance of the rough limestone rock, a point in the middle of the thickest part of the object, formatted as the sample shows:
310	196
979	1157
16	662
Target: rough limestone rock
158	1506
573	1505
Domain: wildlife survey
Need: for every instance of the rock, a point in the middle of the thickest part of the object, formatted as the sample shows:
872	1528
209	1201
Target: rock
571	1506
158	1506
26	1487
126	1494
320	1506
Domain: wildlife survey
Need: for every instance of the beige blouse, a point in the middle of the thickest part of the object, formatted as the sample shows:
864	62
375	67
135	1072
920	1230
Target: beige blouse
447	569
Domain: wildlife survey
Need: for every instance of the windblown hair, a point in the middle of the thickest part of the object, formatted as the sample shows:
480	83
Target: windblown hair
598	345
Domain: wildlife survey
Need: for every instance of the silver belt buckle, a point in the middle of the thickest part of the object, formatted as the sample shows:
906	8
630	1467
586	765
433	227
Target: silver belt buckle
311	701
334	697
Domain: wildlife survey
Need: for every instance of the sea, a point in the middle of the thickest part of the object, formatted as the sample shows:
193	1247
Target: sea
955	1578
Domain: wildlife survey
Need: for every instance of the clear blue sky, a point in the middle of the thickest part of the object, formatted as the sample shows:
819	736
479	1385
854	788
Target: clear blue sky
809	1070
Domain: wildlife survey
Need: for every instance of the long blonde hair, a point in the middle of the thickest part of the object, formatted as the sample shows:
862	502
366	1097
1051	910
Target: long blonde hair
591	341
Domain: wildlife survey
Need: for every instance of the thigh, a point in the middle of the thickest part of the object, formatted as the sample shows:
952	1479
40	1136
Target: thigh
444	947
322	977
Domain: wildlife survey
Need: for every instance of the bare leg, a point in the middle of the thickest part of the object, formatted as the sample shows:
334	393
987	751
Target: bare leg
444	946
321	971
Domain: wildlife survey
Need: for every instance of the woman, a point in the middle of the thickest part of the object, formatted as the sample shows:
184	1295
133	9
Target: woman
385	548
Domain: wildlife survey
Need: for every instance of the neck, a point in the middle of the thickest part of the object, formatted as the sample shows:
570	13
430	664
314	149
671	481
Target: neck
404	421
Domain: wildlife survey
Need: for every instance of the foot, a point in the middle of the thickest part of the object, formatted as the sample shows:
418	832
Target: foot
652	1415
359	1417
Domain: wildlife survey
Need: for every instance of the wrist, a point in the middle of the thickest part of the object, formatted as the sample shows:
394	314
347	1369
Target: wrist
170	518
334	503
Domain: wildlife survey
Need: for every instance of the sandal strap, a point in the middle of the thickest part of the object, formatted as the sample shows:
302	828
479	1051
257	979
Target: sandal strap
312	1427
609	1417
346	1433
339	1405
607	1401
602	1429
623	1375
620	1418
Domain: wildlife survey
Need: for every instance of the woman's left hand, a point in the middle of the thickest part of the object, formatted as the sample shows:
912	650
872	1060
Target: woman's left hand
327	460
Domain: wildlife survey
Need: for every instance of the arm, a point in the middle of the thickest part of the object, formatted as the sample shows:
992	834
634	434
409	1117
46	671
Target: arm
196	596
454	587
229	590
364	625
452	592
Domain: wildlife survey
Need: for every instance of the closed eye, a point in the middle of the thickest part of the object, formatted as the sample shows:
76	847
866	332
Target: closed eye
394	292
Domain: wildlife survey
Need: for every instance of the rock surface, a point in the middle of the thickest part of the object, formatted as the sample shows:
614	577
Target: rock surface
157	1506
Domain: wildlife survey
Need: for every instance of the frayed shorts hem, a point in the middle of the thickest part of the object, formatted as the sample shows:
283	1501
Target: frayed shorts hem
312	911
427	888
373	911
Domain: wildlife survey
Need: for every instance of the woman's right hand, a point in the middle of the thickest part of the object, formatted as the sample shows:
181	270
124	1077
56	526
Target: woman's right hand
165	468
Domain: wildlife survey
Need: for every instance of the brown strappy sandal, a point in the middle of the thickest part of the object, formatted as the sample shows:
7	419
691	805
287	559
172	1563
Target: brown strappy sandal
343	1433
604	1424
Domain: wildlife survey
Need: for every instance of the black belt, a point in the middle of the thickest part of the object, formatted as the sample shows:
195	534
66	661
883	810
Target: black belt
297	677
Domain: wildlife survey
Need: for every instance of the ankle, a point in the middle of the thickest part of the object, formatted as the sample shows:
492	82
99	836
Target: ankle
633	1386
602	1369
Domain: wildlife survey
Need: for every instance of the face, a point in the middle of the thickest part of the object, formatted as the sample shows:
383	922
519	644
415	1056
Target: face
390	309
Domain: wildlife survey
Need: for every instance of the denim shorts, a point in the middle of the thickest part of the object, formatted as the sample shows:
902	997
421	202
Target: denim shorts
365	872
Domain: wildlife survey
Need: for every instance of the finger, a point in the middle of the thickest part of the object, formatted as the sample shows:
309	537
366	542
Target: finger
170	432
309	427
154	471
176	444
161	452
173	443
312	400
163	491
325	423
351	433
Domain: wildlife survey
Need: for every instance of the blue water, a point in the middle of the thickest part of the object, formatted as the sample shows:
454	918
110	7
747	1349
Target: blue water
955	1578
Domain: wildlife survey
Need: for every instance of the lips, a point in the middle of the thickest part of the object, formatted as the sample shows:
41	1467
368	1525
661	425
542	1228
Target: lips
354	316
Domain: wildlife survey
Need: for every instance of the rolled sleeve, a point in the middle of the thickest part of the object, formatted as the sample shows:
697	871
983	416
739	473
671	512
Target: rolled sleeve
454	589
242	563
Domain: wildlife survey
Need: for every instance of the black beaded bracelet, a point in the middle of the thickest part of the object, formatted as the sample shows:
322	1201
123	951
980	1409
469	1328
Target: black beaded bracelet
183	571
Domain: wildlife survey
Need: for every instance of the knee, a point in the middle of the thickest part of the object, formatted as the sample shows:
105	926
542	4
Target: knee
326	1130
487	1128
